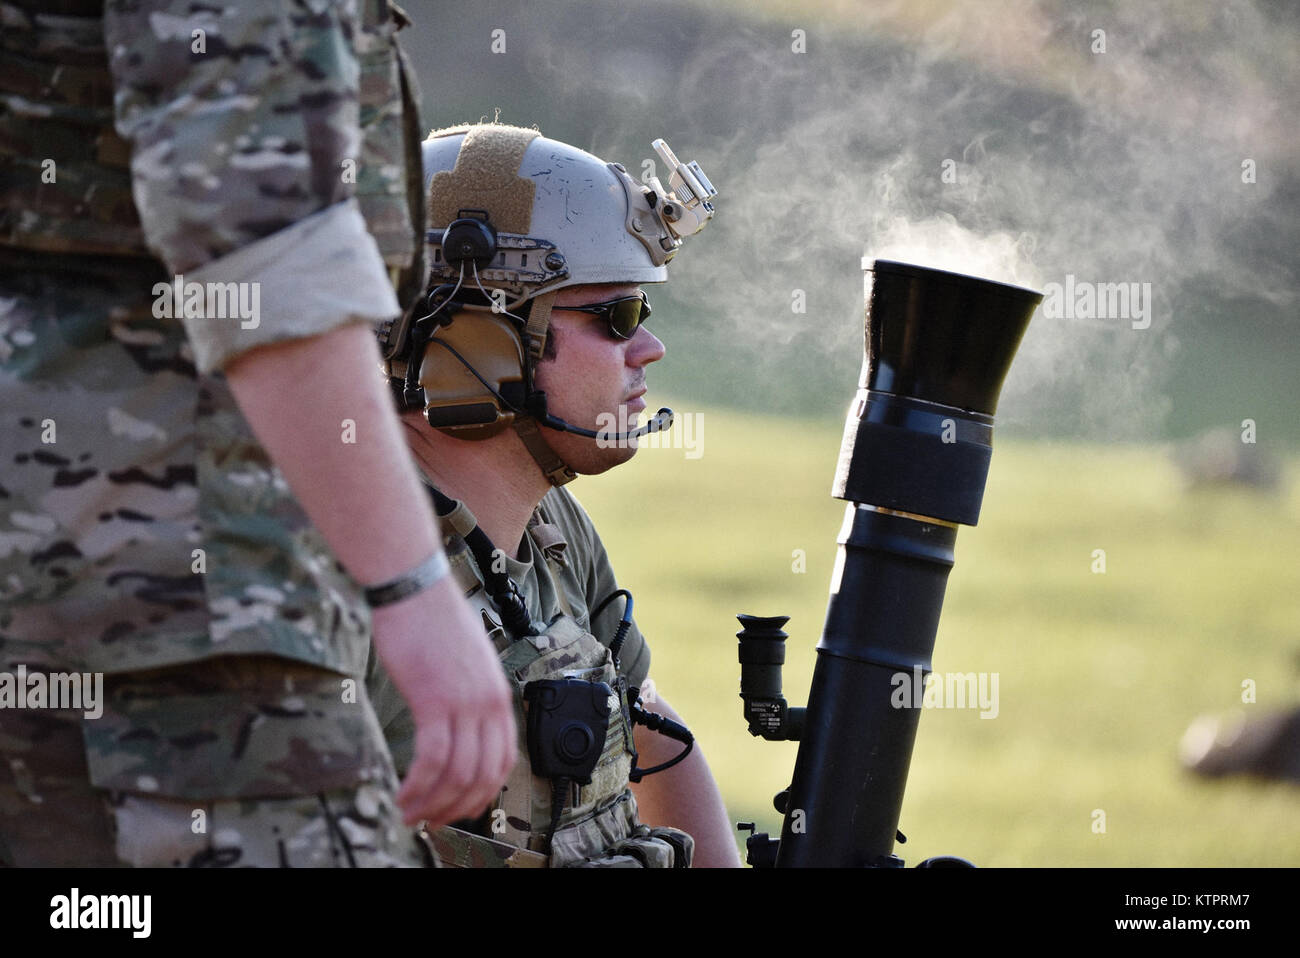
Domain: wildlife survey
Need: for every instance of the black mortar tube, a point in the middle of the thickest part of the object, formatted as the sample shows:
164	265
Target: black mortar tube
913	465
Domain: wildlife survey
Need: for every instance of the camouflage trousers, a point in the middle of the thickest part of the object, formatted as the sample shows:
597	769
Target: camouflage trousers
235	761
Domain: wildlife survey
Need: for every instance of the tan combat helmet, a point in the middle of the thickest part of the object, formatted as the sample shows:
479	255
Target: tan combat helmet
514	217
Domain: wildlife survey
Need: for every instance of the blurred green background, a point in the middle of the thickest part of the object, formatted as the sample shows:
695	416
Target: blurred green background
827	128
1099	674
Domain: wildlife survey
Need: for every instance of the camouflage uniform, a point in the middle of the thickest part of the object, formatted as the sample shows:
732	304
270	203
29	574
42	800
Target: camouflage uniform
144	534
565	575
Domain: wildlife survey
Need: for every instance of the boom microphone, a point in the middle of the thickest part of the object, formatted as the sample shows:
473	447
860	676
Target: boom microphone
660	421
535	406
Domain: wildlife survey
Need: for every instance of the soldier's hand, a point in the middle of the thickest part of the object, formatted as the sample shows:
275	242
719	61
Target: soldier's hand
434	648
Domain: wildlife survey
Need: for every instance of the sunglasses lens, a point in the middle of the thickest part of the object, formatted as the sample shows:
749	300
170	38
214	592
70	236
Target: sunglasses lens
624	318
626	315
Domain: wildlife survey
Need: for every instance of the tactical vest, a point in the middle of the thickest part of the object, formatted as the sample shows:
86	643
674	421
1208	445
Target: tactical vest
598	827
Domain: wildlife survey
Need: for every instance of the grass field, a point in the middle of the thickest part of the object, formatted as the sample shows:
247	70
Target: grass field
1099	674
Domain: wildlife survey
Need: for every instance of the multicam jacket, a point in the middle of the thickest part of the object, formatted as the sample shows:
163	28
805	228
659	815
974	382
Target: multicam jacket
167	142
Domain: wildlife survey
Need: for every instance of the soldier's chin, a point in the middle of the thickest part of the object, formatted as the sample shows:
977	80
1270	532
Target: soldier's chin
602	458
617	455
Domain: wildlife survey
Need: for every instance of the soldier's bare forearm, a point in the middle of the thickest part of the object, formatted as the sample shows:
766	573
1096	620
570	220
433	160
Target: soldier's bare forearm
339	446
341	450
684	796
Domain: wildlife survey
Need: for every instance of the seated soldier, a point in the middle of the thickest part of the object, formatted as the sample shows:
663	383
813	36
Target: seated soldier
533	342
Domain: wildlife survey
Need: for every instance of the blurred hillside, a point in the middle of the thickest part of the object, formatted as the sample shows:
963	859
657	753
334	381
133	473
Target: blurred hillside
828	131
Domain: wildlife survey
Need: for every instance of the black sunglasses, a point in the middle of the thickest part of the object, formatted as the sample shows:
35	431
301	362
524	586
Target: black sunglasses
623	315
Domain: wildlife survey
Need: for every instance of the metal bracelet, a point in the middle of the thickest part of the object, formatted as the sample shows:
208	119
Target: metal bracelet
416	580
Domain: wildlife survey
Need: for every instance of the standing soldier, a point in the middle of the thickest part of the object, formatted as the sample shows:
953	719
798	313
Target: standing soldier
190	198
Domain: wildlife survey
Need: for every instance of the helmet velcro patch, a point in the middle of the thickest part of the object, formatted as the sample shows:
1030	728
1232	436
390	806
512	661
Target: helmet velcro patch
486	177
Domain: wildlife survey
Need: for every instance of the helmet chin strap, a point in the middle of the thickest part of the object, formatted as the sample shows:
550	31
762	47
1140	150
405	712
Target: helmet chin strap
548	460
538	325
526	427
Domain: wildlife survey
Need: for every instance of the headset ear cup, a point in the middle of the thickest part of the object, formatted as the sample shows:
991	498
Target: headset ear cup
473	344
